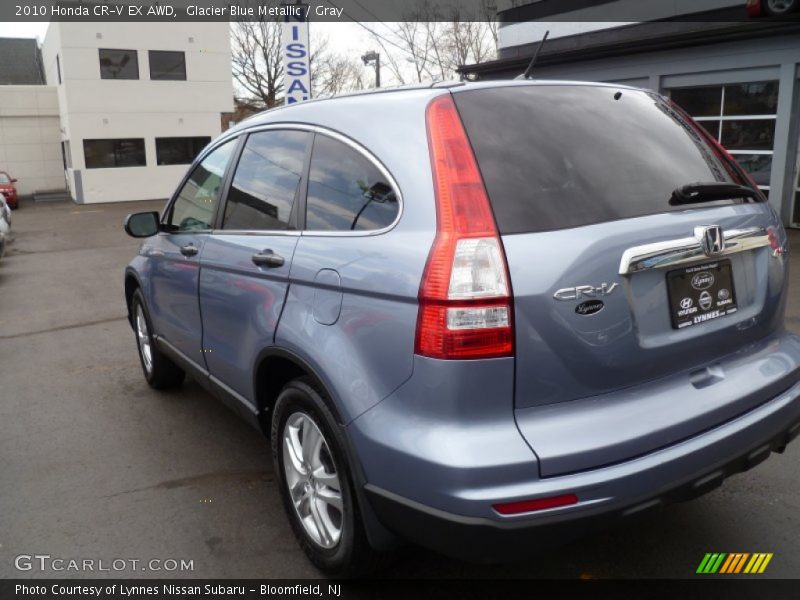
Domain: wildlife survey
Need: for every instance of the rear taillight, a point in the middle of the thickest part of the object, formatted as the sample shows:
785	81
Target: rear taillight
465	298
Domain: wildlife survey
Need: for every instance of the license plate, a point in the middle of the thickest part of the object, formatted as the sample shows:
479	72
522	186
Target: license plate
701	293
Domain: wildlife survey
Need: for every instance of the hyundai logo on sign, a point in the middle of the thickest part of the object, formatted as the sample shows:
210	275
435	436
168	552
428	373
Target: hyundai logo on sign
296	56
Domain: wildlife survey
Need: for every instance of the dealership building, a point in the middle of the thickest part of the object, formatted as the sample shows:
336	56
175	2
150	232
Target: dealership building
111	112
739	79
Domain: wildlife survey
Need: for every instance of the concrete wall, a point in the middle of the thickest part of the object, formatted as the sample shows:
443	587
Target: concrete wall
30	137
91	107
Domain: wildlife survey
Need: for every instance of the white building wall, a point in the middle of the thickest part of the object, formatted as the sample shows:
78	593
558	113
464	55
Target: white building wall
96	108
30	137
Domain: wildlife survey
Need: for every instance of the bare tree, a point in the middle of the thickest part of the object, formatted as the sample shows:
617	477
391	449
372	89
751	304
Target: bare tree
435	39
257	59
258	64
335	74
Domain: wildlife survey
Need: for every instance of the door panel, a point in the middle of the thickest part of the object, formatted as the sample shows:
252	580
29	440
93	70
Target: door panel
174	278
241	303
245	266
175	255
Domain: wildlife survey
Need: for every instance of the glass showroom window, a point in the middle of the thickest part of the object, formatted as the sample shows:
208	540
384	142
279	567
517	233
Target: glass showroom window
119	64
103	154
741	117
179	150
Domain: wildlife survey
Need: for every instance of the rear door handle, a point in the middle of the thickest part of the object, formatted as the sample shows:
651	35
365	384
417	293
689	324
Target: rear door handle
268	258
189	250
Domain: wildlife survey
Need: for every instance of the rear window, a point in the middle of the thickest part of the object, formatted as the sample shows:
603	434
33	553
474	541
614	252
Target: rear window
554	157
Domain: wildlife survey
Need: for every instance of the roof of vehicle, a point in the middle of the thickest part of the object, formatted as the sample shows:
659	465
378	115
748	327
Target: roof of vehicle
286	111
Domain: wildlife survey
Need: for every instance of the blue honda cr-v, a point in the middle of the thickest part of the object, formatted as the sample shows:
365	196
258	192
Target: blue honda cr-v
475	316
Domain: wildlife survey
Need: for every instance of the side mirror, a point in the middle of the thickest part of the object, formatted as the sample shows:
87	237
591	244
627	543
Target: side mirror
14	180
143	224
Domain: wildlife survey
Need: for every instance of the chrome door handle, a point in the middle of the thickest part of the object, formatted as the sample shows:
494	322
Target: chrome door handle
268	259
189	250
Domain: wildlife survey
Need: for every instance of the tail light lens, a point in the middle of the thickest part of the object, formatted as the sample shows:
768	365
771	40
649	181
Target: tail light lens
465	297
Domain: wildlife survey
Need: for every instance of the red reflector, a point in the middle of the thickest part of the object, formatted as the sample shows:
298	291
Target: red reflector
524	506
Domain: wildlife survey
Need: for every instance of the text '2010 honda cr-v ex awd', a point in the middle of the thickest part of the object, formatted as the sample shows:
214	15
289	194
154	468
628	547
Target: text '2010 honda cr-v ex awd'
475	316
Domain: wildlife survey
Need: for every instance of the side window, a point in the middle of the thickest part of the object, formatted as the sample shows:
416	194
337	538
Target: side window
196	203
346	192
263	190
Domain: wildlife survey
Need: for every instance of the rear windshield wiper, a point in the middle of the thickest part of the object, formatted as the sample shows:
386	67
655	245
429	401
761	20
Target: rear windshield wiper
707	192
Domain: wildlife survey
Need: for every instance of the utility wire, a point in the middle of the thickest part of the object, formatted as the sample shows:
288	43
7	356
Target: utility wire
375	33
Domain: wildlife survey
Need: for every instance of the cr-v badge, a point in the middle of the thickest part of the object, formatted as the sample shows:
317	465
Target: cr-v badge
590	291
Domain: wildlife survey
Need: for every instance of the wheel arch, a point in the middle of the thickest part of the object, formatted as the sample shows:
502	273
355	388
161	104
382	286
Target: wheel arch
132	283
274	368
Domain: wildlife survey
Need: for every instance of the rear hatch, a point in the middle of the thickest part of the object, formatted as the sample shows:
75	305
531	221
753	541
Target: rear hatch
613	285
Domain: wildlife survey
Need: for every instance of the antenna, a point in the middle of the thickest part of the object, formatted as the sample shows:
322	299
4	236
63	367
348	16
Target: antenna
529	70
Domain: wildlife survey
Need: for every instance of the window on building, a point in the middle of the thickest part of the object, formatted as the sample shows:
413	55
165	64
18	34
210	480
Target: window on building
264	188
167	65
179	150
741	117
102	154
119	64
346	192
196	204
58	68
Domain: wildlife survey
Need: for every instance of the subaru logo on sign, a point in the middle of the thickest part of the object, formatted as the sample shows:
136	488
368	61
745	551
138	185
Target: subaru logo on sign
712	239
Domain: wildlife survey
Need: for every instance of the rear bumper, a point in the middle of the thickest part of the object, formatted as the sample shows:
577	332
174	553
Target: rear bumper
607	495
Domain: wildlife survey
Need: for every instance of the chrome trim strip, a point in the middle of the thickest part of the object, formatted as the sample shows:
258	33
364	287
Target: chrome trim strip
669	253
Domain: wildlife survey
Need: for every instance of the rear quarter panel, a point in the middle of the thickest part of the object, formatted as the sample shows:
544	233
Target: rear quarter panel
368	351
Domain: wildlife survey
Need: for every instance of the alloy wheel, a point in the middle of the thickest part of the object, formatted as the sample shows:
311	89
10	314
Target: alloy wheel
780	6
143	339
312	480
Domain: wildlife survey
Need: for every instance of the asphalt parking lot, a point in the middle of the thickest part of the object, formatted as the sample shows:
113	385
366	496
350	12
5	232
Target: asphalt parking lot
96	465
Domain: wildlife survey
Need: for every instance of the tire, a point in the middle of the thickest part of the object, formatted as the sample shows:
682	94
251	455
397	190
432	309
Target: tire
301	414
779	8
159	371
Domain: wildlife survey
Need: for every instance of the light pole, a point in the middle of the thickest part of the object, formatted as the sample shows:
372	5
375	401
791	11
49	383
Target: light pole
376	57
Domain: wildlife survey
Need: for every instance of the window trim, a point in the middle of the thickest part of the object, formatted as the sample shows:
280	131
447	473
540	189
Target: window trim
303	188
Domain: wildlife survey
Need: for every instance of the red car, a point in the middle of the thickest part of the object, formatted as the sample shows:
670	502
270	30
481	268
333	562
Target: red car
8	189
771	8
